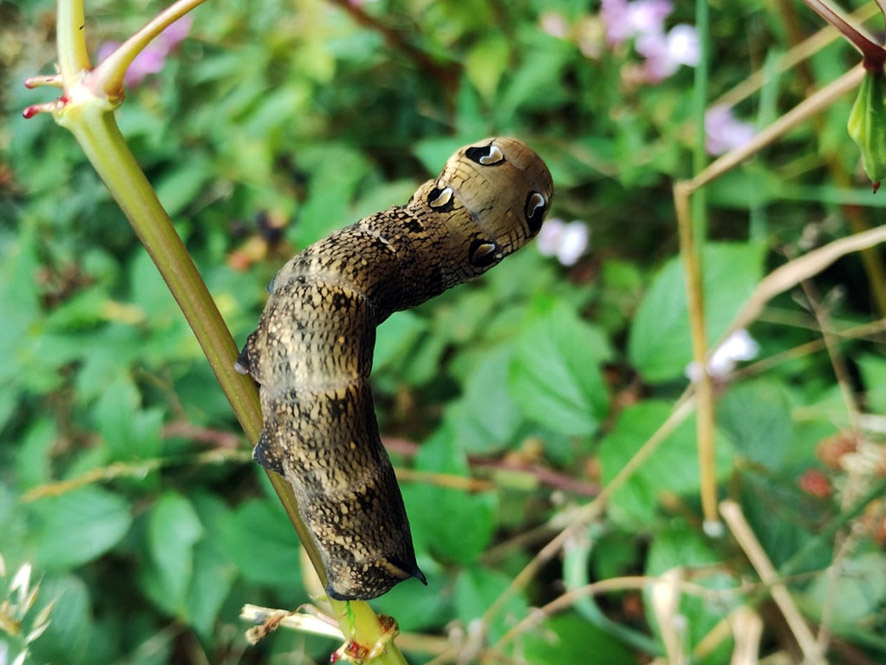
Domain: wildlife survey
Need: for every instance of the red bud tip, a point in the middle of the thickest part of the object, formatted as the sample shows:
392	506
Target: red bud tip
31	111
876	186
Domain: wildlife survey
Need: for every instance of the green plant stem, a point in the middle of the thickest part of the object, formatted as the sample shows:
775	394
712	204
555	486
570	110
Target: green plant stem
692	226
89	116
110	71
105	148
73	58
699	108
576	568
704	388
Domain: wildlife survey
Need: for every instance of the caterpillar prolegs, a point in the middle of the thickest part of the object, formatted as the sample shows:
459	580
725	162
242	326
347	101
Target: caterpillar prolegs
312	351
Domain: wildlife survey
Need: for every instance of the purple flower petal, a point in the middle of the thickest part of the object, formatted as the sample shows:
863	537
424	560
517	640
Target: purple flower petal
647	16
149	61
724	132
175	33
573	243
106	49
548	240
683	45
153	56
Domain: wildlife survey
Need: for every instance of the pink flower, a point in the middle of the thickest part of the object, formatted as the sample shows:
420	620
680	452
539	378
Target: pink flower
568	242
643	21
737	347
665	53
152	58
724	131
624	20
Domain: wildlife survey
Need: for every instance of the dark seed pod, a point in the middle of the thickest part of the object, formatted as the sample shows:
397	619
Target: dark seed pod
312	351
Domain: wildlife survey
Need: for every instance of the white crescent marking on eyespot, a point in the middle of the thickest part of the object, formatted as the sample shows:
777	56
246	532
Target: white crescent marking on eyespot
536	201
444	197
494	156
483	250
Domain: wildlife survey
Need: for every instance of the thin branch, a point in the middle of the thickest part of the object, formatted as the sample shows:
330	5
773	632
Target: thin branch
592	510
873	55
445	75
815	103
797	54
748	542
793	272
132	470
841	372
215	437
704	386
539	474
107	77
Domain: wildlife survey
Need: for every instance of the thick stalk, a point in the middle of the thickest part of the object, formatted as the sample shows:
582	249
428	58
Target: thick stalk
88	114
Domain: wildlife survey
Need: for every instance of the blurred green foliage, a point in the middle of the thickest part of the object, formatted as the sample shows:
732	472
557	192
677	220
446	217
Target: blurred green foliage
293	119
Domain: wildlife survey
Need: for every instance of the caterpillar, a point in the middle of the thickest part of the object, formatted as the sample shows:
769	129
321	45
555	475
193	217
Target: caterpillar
311	353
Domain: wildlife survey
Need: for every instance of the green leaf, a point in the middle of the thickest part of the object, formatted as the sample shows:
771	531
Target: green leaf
454	525
416	607
486	62
70	622
485	418
873	373
173	529
476	589
80	526
779	515
555	375
757	417
395	336
183	183
150	293
571	639
335	171
673	467
210	584
434	152
34	453
536	81
678	546
128	432
263	544
659	344
867	124
858	594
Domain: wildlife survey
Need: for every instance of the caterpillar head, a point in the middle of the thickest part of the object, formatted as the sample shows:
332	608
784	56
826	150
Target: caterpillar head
493	196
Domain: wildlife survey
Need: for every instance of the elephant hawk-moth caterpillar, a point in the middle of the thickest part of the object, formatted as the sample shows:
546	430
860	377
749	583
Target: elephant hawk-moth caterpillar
312	351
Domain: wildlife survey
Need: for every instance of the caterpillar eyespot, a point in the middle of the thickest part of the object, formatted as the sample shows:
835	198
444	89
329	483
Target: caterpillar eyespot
536	209
311	353
484	253
487	155
440	198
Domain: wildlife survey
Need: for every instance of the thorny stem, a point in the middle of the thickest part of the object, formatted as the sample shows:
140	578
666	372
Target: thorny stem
86	109
873	55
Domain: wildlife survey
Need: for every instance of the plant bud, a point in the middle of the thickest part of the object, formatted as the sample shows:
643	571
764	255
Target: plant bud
867	125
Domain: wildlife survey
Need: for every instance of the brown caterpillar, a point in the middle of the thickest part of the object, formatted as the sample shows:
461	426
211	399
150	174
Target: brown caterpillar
312	351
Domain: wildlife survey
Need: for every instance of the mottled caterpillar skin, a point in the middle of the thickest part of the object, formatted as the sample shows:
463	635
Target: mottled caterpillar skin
312	351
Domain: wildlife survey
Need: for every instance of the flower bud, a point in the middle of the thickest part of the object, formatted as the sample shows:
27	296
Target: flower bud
867	125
